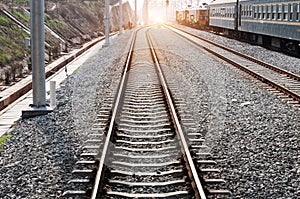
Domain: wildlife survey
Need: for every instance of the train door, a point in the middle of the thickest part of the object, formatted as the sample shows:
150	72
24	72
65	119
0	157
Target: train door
237	15
240	16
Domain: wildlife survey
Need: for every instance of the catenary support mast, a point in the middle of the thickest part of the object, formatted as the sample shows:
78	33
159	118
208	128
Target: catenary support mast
121	16
38	52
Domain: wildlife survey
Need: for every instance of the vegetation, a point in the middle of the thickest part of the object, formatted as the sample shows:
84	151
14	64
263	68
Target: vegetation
55	24
27	1
21	15
12	41
76	21
3	138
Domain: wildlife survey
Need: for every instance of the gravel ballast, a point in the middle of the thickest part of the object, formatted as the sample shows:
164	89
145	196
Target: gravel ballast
38	159
252	134
272	57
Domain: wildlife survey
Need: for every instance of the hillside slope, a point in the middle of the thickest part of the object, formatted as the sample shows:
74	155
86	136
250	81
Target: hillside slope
74	22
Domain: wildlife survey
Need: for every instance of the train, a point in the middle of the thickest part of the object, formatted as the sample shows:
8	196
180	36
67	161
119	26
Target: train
270	23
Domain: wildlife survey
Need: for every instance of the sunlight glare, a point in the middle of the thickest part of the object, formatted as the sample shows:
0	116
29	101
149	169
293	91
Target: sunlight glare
157	16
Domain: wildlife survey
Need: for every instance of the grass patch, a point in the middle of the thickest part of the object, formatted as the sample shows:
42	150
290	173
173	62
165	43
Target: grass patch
3	138
4	21
4	58
76	70
11	41
21	15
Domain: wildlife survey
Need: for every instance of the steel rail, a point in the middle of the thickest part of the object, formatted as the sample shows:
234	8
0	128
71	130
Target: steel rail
267	65
198	188
112	121
262	78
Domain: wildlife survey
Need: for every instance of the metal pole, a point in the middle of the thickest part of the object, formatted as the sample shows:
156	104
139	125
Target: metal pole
52	94
167	6
147	12
107	23
135	12
121	16
38	52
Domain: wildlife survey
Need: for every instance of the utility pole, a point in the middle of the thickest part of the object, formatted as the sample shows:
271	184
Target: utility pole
146	12
38	52
167	6
107	16
37	38
121	16
135	13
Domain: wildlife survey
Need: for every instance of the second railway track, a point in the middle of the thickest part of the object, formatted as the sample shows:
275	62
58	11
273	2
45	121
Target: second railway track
146	153
280	79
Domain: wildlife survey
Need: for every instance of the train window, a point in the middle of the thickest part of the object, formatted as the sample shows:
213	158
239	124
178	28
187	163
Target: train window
269	11
259	12
263	8
192	17
222	12
285	12
255	12
233	12
274	9
279	13
242	10
247	11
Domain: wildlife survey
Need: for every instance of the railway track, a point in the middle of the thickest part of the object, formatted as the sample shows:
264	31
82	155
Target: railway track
146	153
282	80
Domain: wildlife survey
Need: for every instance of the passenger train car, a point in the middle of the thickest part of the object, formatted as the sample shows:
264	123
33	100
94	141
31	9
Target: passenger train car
272	23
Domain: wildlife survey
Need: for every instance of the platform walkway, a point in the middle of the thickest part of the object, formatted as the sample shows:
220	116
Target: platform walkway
13	112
